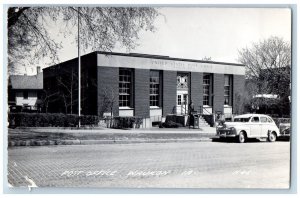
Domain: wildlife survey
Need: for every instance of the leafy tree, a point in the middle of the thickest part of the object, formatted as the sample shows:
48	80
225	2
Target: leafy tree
101	28
268	66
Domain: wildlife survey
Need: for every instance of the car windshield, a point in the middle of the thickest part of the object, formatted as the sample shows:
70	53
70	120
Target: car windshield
242	119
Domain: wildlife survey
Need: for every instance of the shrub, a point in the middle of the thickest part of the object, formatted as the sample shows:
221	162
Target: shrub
49	120
126	122
171	124
89	120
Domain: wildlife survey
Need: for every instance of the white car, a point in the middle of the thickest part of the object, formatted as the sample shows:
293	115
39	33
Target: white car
249	126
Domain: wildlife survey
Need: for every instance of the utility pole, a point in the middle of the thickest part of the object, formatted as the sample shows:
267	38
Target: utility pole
79	69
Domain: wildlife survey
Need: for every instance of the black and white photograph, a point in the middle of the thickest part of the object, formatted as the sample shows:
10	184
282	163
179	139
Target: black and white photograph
148	96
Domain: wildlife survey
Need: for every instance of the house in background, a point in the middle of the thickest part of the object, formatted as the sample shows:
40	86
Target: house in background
25	92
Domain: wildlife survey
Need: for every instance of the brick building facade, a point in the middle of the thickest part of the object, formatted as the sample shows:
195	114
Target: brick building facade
143	85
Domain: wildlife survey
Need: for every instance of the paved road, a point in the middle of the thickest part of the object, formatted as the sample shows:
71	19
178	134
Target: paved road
158	165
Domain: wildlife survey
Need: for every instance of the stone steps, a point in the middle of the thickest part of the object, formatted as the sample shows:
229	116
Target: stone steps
202	122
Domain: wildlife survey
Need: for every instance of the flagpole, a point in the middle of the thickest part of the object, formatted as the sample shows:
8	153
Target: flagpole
79	70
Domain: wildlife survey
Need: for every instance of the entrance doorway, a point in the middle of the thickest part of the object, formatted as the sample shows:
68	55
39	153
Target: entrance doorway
182	102
182	94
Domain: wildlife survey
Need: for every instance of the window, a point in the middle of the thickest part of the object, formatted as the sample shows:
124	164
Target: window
178	99
182	81
154	88
241	119
125	85
25	94
255	119
227	89
263	119
206	89
185	99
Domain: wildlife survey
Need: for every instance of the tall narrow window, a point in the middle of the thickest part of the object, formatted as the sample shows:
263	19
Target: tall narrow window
227	89
125	84
206	88
154	88
178	99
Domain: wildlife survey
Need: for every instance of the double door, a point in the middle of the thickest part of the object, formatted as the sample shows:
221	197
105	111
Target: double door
182	102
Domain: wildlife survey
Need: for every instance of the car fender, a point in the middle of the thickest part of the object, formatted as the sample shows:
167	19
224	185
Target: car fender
275	129
244	129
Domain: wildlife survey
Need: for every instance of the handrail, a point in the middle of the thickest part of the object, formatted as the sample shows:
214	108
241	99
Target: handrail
204	110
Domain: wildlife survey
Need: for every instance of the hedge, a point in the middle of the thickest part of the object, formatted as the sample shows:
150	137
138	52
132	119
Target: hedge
124	122
170	124
49	120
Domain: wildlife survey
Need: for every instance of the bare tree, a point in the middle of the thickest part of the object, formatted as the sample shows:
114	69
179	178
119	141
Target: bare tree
268	66
206	58
101	29
109	101
67	86
48	97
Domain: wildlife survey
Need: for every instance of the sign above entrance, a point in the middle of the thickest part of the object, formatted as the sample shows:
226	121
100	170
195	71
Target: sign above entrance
173	65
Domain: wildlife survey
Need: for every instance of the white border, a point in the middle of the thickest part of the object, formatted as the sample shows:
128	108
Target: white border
257	3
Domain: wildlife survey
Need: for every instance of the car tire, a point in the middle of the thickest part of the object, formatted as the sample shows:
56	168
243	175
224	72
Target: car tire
242	137
272	137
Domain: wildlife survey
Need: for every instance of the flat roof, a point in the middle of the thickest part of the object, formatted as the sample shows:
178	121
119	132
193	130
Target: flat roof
143	56
164	58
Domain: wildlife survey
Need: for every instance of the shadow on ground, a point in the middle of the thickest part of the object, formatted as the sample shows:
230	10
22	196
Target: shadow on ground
250	140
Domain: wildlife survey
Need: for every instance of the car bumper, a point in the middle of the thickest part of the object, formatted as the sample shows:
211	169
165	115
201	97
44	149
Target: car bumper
284	135
226	133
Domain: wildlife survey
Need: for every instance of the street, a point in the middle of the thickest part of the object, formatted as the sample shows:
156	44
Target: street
153	165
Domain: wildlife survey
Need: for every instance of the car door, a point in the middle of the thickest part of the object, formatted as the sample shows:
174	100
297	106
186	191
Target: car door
265	126
255	126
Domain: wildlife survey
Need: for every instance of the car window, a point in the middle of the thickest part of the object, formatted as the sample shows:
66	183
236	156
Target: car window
255	119
263	119
241	119
270	120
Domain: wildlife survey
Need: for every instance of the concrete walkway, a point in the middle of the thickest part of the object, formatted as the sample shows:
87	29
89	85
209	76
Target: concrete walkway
67	136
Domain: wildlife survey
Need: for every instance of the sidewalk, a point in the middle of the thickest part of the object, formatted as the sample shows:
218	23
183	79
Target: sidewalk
68	136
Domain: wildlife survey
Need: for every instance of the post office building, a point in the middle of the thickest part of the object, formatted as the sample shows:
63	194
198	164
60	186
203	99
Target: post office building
148	86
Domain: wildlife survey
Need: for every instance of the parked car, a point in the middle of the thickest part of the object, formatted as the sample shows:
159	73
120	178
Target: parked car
249	126
285	130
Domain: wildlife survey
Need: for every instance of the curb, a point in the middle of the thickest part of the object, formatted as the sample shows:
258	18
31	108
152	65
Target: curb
91	142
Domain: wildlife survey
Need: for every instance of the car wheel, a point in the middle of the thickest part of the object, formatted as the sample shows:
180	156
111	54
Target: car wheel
272	137
242	137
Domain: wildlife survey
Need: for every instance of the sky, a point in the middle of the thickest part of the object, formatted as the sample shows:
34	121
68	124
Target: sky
195	33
